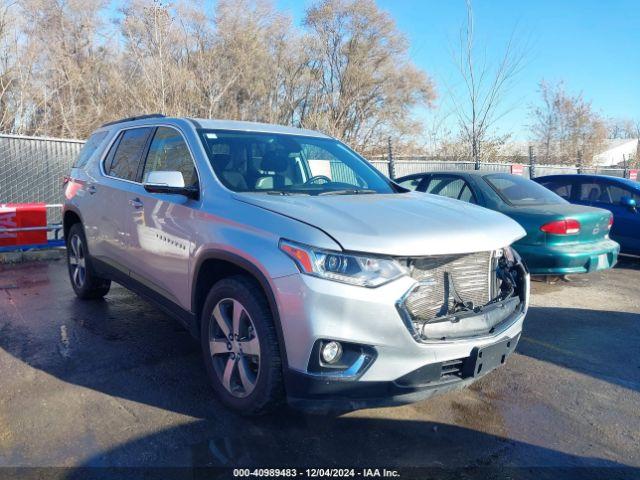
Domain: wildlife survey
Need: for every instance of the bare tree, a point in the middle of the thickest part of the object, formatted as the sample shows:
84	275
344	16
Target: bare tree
482	102
363	82
7	62
260	54
566	124
17	58
546	117
345	71
623	128
584	130
70	66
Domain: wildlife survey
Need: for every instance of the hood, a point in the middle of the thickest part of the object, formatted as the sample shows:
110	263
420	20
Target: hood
408	224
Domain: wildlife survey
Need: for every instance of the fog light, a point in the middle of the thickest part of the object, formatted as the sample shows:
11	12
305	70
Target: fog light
331	352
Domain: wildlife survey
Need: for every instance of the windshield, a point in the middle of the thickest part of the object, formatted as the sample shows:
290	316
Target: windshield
520	191
289	164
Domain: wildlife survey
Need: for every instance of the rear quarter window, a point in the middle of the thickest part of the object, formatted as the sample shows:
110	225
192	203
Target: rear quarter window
89	148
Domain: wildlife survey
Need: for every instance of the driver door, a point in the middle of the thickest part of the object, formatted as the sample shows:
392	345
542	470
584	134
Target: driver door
159	224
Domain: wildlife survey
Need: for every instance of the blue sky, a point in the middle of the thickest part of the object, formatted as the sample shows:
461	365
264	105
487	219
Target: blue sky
593	46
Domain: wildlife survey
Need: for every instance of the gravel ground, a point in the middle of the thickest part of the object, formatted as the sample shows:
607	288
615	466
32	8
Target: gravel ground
117	383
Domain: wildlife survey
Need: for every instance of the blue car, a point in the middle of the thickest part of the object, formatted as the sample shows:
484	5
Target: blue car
618	195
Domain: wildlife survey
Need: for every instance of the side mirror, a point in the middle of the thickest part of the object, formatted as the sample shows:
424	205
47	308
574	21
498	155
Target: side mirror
627	201
168	182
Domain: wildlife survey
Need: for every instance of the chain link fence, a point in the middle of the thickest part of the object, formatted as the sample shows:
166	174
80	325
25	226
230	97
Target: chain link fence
407	166
32	168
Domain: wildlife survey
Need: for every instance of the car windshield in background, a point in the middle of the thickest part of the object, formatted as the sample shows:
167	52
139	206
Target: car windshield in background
520	191
289	164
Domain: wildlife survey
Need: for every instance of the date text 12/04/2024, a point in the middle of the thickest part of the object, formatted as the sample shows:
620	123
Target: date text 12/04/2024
316	472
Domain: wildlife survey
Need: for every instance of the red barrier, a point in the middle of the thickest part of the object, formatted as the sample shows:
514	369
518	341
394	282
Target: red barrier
23	215
517	169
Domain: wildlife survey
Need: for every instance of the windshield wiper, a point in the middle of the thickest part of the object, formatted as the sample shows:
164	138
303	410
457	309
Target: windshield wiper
352	191
284	192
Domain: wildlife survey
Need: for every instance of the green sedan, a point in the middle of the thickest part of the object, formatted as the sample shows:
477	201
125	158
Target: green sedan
561	239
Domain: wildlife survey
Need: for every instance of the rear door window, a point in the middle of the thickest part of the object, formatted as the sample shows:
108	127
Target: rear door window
89	148
451	187
124	158
594	192
169	152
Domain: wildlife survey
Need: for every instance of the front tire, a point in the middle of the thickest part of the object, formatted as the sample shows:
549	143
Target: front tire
85	282
240	346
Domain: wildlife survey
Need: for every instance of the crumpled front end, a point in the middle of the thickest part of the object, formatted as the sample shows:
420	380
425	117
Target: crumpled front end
451	320
464	296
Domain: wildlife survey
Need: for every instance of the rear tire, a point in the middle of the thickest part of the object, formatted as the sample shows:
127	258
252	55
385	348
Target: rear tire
85	282
240	346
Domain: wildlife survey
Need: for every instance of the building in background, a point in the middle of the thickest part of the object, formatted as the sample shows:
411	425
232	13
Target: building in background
617	152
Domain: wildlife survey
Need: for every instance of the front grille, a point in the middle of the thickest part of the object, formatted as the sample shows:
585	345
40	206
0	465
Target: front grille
470	275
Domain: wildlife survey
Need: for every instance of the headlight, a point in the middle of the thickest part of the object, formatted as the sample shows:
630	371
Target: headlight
341	267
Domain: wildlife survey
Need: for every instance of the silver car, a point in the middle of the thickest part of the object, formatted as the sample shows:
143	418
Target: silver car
306	274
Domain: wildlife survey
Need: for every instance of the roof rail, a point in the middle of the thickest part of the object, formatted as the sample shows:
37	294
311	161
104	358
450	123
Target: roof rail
131	119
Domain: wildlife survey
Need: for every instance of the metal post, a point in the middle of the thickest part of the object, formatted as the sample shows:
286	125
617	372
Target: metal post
625	166
532	163
476	157
579	161
392	165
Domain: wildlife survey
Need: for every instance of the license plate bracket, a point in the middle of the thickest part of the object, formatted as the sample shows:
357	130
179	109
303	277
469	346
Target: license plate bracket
484	359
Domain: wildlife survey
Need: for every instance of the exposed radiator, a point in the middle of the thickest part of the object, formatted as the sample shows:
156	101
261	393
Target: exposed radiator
471	275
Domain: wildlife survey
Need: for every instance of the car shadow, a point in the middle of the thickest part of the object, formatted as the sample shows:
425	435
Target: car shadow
296	440
601	344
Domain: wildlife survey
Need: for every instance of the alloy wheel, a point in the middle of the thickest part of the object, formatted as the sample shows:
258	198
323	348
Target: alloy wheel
235	347
77	261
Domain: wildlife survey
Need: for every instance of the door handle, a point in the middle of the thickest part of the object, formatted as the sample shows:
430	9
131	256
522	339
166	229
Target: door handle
135	203
91	189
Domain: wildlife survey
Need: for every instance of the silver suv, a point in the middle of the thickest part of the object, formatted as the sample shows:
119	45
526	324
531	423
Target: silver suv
305	273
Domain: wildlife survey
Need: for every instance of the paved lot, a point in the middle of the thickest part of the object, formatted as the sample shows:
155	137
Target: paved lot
117	383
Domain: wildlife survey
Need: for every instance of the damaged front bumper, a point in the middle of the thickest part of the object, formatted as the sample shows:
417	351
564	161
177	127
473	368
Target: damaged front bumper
400	366
323	396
